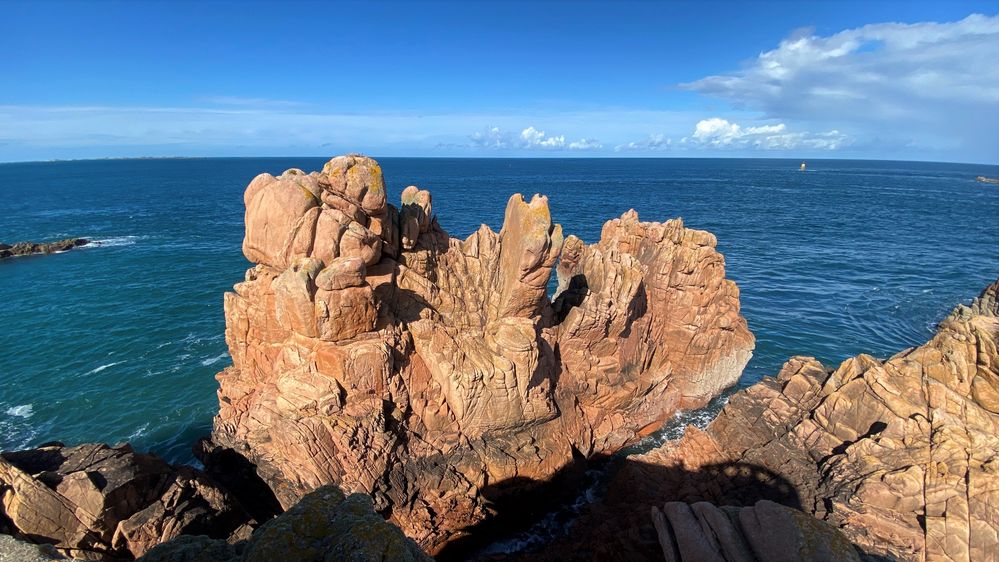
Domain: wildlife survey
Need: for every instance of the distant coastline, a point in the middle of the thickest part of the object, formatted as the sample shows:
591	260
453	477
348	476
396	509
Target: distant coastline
104	158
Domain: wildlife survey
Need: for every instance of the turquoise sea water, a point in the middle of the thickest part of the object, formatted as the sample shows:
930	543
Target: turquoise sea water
121	341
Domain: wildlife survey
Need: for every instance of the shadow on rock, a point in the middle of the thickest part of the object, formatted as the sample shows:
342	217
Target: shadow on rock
618	524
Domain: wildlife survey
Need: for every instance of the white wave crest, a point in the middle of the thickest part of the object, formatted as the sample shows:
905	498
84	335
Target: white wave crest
213	360
113	241
138	432
22	411
102	367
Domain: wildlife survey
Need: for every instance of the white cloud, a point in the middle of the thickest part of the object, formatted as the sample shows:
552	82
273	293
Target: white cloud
491	138
721	133
655	141
585	144
927	83
533	138
530	138
251	102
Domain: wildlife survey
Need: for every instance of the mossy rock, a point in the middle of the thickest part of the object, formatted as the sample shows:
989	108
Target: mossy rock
324	526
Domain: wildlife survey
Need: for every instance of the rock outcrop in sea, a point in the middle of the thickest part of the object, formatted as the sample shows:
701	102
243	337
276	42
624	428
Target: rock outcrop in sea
373	351
900	455
33	248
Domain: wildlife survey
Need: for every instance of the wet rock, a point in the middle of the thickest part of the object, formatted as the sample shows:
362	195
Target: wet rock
34	248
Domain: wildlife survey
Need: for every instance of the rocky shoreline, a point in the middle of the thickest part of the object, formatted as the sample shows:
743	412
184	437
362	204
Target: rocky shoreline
899	455
396	393
40	248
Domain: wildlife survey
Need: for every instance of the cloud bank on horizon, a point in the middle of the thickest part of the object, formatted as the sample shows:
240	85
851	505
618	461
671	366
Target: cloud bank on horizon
916	91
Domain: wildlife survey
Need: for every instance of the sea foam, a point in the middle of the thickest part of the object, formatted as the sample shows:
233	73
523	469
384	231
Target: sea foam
22	411
113	241
102	367
213	360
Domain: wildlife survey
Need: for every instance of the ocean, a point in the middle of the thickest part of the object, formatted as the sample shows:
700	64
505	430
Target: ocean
120	341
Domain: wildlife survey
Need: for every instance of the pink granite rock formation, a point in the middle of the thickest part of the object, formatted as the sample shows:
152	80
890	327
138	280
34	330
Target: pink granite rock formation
374	352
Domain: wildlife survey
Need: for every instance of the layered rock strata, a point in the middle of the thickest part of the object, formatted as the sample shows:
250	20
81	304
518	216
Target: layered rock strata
901	455
373	351
110	503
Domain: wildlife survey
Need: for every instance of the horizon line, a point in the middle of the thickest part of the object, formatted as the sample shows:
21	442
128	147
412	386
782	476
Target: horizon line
552	157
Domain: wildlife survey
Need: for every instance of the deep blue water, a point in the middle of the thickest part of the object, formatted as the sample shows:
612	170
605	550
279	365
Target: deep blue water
121	341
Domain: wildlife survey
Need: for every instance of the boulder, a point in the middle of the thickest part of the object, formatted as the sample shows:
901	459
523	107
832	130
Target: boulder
324	525
99	502
764	532
279	224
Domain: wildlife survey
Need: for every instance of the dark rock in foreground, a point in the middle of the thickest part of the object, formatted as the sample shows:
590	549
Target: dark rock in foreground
324	525
766	532
111	503
33	248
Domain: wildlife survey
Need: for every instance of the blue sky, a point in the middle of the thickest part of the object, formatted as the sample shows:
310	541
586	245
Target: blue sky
901	80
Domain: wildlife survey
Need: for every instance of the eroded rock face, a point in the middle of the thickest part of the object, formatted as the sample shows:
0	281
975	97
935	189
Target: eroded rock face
108	503
373	351
901	455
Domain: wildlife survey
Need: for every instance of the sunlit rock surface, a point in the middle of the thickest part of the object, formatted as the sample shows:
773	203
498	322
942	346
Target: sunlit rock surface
373	351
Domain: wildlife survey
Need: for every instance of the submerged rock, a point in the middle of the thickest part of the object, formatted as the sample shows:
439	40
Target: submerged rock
900	455
325	525
32	248
372	351
99	502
